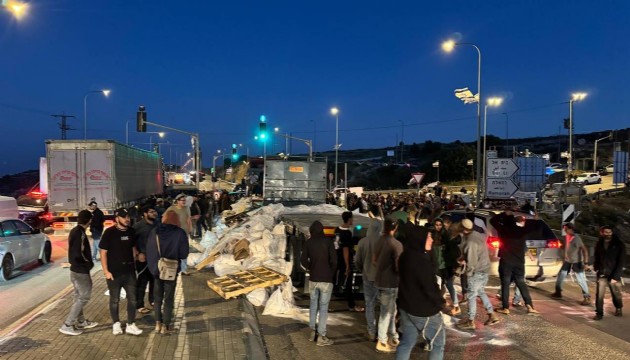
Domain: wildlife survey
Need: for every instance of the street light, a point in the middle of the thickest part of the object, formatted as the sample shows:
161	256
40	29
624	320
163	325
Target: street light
335	112
609	136
160	134
17	8
579	96
104	92
494	102
448	46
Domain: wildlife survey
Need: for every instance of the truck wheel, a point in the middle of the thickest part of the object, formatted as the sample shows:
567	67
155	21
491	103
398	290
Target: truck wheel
7	268
46	255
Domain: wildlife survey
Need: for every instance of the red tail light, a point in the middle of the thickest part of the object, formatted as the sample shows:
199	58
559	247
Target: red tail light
36	194
46	216
494	242
553	244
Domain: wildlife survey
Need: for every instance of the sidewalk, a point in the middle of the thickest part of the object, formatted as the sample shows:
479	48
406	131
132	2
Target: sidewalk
207	327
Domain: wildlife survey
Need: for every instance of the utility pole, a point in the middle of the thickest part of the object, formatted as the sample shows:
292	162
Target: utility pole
63	125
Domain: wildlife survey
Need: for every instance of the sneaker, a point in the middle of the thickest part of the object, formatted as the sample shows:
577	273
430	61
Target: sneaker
518	304
492	319
324	341
87	324
313	336
456	310
503	311
158	327
70	330
556	295
166	330
117	329
618	312
531	310
587	301
466	324
393	342
384	348
132	329
598	317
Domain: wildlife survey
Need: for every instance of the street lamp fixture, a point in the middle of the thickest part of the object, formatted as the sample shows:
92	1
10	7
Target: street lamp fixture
105	92
448	46
17	8
335	112
578	96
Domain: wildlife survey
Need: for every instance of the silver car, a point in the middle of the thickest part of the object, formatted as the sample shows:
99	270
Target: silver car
20	245
543	245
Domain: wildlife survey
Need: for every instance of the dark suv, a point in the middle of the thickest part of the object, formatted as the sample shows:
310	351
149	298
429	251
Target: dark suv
33	210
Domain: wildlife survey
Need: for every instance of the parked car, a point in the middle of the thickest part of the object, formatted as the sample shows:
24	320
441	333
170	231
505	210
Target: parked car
610	168
589	178
543	244
601	170
20	245
557	166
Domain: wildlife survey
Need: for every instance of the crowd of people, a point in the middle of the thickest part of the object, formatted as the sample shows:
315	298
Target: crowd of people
409	268
133	252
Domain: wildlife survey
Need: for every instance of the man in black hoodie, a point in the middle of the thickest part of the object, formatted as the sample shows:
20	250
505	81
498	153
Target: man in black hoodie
419	297
79	256
609	258
320	260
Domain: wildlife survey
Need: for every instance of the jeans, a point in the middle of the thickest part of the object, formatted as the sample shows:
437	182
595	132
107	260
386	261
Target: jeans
517	296
370	292
464	282
183	265
144	278
82	292
320	298
164	294
513	272
451	290
127	281
615	291
432	330
348	290
580	276
96	239
387	317
476	288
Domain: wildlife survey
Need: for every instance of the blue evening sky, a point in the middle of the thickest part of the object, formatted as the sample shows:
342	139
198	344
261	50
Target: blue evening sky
214	67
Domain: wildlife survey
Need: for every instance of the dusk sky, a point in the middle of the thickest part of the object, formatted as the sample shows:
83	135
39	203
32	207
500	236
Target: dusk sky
214	67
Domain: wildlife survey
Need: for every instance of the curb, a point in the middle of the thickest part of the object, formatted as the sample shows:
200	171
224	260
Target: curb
254	342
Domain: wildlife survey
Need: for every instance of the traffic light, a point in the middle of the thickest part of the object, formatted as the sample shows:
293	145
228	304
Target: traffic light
262	128
141	119
234	154
567	124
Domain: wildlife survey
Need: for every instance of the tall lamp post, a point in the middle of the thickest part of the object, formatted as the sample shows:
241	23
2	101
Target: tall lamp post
104	92
160	134
493	101
335	112
449	46
595	153
574	97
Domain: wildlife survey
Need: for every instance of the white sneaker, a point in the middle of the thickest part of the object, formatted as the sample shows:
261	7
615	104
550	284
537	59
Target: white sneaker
117	329
132	329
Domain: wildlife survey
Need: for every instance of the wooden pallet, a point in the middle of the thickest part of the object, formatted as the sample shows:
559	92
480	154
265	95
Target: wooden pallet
243	282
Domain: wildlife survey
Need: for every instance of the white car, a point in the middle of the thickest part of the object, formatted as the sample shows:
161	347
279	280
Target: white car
589	178
20	245
610	169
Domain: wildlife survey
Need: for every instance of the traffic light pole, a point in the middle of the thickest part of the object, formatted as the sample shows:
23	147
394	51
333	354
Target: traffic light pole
308	143
195	137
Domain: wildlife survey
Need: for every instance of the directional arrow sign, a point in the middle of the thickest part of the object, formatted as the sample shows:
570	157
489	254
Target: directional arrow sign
500	188
501	168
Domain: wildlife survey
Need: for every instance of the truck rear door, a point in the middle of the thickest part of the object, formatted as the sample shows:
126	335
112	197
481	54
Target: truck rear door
64	180
98	177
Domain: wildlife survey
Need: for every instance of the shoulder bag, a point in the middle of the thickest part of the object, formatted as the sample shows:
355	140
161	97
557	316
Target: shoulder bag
166	267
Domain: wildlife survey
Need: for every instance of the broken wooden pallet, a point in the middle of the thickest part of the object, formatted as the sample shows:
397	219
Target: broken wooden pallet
243	282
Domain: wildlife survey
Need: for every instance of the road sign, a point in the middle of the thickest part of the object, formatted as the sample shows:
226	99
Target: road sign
620	167
532	173
500	188
501	168
418	177
492	154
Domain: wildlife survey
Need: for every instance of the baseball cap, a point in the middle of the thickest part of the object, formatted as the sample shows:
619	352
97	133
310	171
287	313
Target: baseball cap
92	203
122	212
182	195
467	224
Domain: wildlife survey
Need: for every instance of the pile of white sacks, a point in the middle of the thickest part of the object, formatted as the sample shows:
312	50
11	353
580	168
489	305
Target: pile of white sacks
267	239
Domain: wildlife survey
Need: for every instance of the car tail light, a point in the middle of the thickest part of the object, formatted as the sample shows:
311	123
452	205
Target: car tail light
46	216
494	242
59	225
553	244
108	223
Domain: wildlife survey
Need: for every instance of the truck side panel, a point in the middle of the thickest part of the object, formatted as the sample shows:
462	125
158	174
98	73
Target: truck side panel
295	181
138	173
63	180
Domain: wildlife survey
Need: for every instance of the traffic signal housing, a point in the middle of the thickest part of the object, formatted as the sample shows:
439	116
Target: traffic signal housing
234	153
262	128
141	119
